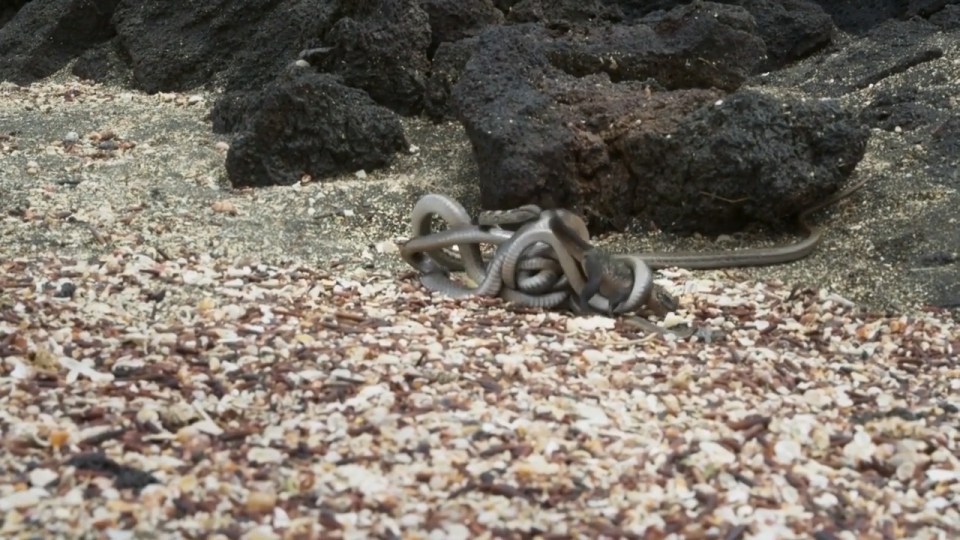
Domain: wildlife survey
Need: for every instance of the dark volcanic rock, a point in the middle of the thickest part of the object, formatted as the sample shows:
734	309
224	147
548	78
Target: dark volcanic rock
701	45
948	18
453	20
555	12
791	29
889	49
751	157
381	47
230	110
900	77
905	109
521	146
181	44
281	34
622	151
695	45
859	17
927	8
104	63
306	123
9	9
44	35
448	64
453	24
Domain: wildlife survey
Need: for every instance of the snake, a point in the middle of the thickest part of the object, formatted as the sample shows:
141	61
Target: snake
624	281
571	261
424	251
520	271
764	256
532	266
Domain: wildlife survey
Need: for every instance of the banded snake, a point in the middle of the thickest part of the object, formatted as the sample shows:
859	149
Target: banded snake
538	267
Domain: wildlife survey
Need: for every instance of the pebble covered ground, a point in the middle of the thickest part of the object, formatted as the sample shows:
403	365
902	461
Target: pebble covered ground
160	380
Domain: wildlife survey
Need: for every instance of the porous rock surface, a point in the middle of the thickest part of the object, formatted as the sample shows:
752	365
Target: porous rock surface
338	128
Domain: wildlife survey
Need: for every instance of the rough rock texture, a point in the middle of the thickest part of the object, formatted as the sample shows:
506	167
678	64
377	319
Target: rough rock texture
242	44
893	77
621	152
207	35
9	9
281	33
696	46
230	111
105	63
384	47
380	47
948	18
791	29
748	158
891	48
44	35
453	20
310	124
562	12
904	109
859	17
449	60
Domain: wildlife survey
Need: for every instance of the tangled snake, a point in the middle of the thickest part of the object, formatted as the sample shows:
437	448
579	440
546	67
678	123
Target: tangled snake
547	261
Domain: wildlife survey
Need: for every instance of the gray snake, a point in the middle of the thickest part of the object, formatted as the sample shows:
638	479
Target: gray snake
531	266
534	266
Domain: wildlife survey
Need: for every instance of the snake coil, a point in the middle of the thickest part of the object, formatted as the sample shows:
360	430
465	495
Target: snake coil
530	266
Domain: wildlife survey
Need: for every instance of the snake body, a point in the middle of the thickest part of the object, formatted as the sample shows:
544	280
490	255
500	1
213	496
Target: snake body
456	216
425	253
753	256
623	282
571	261
544	257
